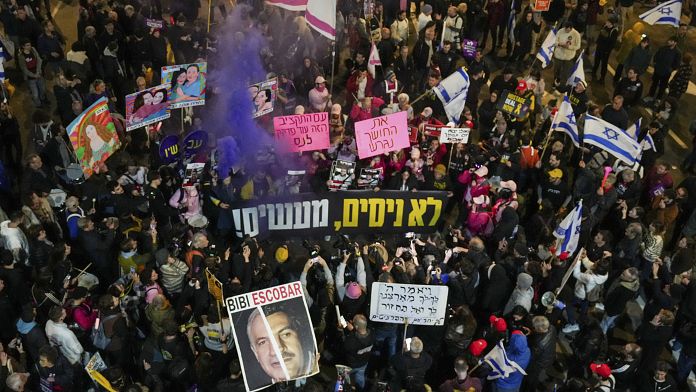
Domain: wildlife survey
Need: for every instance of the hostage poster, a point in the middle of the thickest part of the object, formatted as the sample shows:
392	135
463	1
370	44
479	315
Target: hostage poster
147	107
263	96
93	136
274	335
187	84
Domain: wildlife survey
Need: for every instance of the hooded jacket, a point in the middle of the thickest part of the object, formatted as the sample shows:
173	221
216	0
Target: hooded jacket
522	295
517	351
586	280
619	293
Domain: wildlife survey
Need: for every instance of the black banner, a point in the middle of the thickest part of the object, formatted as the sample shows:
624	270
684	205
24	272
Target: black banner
345	212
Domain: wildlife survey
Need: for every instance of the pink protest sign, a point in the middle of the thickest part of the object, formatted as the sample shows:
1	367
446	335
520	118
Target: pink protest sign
381	135
302	132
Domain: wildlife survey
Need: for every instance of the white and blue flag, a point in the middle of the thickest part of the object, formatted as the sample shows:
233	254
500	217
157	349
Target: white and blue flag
501	365
547	47
452	92
565	121
511	24
611	139
578	73
568	231
647	142
668	13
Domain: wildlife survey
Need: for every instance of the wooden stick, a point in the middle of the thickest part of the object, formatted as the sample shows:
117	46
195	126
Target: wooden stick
82	271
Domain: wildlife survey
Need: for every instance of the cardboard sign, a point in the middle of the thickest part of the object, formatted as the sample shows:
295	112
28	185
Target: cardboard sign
541	5
273	323
93	136
381	135
469	48
169	149
419	304
187	84
193	173
94	367
147	107
263	97
154	23
302	132
513	104
454	135
214	286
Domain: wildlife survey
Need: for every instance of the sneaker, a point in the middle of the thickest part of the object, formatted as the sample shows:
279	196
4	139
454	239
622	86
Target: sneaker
570	328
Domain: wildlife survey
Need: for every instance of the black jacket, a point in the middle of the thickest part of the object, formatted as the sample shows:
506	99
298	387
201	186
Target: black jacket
543	347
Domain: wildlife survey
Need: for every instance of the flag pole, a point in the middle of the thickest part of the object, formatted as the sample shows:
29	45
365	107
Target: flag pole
333	65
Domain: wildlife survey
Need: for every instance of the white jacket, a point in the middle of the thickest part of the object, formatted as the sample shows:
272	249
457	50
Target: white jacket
60	336
586	280
13	239
568	53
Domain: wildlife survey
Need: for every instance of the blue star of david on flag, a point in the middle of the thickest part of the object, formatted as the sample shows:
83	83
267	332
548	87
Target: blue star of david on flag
667	13
611	134
571	118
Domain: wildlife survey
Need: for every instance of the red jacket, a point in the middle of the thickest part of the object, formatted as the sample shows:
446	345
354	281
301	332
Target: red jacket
352	87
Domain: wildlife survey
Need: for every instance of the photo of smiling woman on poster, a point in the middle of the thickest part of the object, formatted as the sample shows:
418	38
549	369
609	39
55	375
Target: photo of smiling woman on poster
188	84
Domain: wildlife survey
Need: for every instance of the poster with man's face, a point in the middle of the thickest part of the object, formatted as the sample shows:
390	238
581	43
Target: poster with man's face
274	335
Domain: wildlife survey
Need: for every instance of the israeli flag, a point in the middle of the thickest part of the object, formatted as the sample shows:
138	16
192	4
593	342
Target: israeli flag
578	73
546	50
452	92
565	121
647	142
611	139
568	231
500	364
668	13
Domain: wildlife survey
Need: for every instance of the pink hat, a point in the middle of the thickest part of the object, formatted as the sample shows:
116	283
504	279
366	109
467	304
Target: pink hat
353	290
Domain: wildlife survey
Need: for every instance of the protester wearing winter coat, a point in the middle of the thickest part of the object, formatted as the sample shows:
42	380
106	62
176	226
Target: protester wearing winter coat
517	351
522	295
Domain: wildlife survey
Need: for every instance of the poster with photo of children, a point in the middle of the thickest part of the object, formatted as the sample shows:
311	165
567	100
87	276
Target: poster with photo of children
188	84
147	107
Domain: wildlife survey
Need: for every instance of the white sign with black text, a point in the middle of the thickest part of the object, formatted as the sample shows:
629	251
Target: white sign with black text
419	304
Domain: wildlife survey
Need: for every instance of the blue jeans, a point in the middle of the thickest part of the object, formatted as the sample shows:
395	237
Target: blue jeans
570	309
608	322
37	88
385	336
684	366
357	377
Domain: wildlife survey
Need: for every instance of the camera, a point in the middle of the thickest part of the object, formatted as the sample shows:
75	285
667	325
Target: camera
343	244
313	252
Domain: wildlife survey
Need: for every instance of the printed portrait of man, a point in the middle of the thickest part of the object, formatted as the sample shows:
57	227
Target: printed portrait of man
279	339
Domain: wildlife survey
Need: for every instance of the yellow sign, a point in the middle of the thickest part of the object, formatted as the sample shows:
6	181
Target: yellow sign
214	285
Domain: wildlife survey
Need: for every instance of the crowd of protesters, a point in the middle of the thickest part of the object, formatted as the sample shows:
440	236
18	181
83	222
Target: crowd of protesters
118	266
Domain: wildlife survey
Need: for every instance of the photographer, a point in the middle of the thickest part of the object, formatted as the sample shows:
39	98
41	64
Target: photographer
98	246
318	286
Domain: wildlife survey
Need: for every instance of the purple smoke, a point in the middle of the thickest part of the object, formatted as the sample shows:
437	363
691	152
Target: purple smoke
237	65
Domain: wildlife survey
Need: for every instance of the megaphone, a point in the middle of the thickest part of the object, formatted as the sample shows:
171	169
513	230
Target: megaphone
548	299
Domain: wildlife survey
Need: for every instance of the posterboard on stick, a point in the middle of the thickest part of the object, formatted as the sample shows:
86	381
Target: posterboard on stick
187	84
454	135
93	136
214	285
342	175
469	48
147	107
169	149
513	104
263	97
419	304
302	132
541	5
94	367
381	135
194	142
273	323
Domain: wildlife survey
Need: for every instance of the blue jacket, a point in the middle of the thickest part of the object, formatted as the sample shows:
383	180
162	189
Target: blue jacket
518	351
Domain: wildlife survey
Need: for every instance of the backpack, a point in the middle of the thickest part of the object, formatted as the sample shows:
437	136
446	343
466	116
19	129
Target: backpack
99	338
